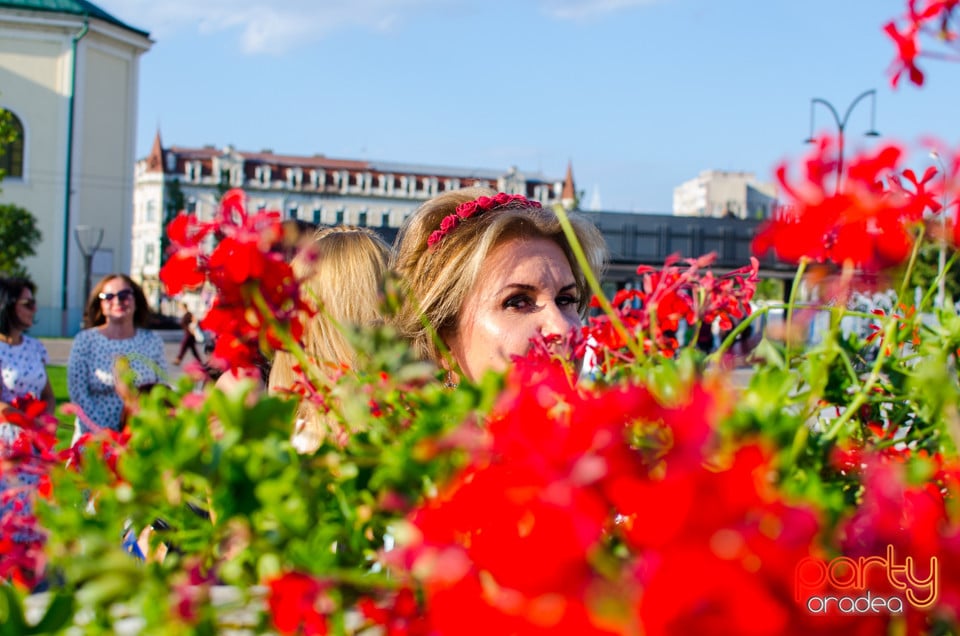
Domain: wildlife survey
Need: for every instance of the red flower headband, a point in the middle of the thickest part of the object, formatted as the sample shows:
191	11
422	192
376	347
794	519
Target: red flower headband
483	204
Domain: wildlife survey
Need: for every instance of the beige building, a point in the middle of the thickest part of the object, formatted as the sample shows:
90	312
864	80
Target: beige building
69	74
313	189
725	193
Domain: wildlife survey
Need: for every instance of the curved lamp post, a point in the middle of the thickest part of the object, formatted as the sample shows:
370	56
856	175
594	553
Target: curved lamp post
89	240
842	123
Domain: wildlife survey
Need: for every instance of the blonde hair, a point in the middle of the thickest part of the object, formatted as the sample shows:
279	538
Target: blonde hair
438	279
342	271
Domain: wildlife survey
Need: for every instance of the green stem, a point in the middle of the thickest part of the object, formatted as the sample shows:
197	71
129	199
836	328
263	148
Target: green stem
736	331
594	284
889	331
913	259
290	345
936	281
791	303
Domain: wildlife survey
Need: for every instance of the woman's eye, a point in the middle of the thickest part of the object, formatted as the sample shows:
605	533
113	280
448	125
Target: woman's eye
566	300
519	301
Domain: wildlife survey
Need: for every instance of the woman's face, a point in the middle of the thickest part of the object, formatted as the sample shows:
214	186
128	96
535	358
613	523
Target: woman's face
26	308
526	289
117	301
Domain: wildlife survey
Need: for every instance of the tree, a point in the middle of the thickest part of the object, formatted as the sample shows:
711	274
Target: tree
8	134
18	236
18	228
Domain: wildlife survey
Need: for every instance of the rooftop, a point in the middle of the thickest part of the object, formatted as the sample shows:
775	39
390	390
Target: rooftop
71	7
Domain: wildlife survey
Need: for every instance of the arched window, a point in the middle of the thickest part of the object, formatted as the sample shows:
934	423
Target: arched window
11	154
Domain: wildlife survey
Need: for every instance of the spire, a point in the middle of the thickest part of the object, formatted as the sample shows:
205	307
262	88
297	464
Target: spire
155	158
569	196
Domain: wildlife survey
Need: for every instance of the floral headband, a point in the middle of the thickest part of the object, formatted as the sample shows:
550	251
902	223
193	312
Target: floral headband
471	208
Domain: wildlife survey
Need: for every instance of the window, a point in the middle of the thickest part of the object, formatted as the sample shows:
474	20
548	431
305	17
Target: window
151	211
11	159
149	254
339	220
362	218
316	215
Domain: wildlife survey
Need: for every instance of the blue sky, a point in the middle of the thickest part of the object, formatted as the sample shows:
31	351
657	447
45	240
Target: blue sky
640	95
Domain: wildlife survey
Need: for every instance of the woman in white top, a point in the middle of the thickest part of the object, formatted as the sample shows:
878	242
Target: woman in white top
23	360
115	317
23	375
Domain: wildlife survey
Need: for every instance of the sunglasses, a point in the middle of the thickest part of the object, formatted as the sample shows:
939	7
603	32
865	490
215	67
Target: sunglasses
123	295
29	303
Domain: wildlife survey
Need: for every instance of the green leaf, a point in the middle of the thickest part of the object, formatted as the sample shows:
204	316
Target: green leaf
11	612
58	614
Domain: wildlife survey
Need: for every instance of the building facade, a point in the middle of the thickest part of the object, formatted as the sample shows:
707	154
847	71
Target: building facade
69	75
725	193
316	189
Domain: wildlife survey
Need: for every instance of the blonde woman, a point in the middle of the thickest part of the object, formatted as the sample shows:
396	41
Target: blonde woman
489	271
343	270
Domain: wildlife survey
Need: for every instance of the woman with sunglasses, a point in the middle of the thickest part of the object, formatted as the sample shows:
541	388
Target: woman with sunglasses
23	379
23	360
115	317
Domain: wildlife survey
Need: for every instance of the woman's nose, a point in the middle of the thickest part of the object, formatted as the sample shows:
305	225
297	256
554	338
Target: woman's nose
557	322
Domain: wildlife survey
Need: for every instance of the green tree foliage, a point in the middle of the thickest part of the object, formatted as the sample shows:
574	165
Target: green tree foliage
18	238
8	134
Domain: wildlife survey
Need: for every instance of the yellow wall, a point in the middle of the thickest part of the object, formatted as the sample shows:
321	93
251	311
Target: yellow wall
35	83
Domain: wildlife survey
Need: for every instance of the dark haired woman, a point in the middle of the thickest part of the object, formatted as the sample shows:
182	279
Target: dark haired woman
23	360
115	317
23	376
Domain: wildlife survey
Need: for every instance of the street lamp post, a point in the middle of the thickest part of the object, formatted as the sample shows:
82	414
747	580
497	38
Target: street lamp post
942	255
842	123
88	240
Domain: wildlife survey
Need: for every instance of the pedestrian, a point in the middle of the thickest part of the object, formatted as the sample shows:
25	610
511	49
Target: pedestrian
115	338
191	335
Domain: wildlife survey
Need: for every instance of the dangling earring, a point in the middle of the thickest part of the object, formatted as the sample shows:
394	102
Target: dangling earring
449	383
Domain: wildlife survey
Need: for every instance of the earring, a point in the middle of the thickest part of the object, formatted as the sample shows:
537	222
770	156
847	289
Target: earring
449	383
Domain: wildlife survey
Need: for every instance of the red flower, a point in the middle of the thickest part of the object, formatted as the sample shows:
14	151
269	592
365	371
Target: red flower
652	314
907	51
403	616
257	292
293	602
865	224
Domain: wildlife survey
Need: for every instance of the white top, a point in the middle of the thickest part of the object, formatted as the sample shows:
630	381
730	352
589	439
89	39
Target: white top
90	368
23	371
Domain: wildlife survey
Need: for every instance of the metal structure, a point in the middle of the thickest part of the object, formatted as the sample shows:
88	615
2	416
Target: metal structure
842	123
88	240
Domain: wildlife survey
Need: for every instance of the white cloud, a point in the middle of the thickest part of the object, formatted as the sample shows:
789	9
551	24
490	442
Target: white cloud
271	27
584	9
